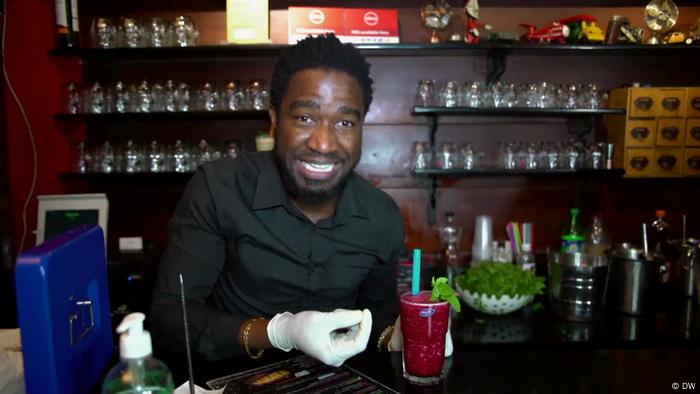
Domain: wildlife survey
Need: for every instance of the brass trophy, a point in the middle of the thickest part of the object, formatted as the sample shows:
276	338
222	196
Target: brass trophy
660	16
436	17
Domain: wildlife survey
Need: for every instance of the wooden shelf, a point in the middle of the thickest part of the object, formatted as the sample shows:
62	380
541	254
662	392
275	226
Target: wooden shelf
207	52
496	172
160	116
525	112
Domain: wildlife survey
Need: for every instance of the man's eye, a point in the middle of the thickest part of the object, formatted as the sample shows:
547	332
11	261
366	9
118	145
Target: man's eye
304	118
347	123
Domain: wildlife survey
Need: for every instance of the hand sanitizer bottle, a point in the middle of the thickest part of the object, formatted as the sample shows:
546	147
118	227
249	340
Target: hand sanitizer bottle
138	371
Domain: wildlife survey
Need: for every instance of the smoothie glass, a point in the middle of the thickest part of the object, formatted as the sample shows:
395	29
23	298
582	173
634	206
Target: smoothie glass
424	325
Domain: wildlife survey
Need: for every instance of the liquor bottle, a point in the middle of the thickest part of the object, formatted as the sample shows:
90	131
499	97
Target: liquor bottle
526	260
451	257
66	23
572	237
597	237
660	233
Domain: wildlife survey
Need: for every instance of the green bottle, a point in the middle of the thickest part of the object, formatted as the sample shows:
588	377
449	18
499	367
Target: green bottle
572	236
137	371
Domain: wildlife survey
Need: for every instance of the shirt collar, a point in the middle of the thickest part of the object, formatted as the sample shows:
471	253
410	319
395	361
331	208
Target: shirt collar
270	192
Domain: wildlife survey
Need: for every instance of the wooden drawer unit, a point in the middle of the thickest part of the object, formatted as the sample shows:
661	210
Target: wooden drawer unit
692	102
691	162
638	162
643	103
671	102
670	131
692	132
640	133
667	162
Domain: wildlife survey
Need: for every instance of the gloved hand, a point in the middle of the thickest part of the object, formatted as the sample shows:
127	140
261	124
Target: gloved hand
396	341
330	337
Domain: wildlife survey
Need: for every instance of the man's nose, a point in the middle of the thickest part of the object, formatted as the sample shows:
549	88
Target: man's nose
323	139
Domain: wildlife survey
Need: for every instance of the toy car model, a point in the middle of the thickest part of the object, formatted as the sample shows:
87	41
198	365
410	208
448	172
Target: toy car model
590	32
583	27
675	37
556	32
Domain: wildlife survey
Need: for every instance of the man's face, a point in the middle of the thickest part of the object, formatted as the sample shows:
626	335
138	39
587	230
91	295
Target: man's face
318	136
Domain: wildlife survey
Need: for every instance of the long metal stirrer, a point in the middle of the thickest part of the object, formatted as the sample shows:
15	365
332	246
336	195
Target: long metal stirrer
644	237
187	335
684	227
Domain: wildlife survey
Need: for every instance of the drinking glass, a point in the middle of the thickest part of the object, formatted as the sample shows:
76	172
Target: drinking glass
424	325
473	94
72	98
181	158
470	156
451	94
156	158
106	160
446	156
422	156
233	96
132	32
156	32
425	94
133	158
96	99
185	31
103	33
182	97
169	97
258	94
143	98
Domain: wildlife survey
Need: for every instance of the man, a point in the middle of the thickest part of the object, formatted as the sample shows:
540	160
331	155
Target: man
291	248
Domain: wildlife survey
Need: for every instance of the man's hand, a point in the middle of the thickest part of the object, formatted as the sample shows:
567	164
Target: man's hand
331	337
396	341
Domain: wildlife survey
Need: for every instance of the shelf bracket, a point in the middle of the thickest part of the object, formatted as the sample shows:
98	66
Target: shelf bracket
432	199
495	66
432	128
582	126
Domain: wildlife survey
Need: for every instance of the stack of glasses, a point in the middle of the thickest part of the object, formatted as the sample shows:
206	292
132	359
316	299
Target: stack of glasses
171	96
153	157
477	94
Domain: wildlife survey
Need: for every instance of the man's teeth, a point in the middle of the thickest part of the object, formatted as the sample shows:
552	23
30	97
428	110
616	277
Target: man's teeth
319	167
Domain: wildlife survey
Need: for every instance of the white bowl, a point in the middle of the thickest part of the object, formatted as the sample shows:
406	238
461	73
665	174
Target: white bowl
491	304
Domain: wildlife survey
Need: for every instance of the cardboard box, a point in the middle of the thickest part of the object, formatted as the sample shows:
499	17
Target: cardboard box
353	25
247	22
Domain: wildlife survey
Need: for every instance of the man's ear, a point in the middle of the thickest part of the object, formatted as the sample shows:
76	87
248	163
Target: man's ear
272	111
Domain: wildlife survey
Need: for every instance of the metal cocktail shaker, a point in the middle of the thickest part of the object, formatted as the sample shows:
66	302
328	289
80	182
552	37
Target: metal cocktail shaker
634	280
688	260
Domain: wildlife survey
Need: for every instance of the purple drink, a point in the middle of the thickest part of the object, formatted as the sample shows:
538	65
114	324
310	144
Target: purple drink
423	325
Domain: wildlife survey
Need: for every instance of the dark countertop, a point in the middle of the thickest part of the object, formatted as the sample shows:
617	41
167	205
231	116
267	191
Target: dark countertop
533	351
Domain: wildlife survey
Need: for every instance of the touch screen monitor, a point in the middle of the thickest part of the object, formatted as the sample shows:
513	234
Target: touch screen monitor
62	212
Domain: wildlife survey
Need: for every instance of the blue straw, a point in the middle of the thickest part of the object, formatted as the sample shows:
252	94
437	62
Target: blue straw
415	279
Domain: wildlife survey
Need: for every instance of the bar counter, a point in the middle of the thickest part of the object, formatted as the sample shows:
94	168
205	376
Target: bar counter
533	351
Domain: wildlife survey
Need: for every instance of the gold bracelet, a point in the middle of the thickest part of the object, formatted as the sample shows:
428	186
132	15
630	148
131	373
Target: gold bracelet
246	332
387	332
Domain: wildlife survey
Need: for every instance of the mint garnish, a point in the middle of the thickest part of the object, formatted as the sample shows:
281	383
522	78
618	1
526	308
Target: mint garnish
443	291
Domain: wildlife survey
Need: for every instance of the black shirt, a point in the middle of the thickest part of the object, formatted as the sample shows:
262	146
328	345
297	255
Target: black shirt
245	250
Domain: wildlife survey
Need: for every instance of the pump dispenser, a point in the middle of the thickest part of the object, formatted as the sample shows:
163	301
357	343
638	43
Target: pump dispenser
137	371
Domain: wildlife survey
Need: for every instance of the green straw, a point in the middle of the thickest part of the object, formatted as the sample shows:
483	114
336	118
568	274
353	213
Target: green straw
415	277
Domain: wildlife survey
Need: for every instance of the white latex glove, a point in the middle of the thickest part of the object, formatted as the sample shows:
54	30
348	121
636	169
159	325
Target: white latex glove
396	341
316	333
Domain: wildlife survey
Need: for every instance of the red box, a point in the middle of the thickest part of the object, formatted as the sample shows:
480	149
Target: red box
353	25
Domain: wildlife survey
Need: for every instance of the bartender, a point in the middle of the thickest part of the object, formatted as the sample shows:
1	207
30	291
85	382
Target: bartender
288	249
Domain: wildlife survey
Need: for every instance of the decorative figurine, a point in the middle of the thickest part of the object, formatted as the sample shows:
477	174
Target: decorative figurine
471	34
660	16
583	28
556	32
436	17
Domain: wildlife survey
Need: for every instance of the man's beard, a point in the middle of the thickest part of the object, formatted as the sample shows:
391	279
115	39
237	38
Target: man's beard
310	191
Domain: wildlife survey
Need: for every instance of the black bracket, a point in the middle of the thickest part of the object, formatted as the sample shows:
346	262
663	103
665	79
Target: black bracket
580	126
432	129
432	199
495	66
